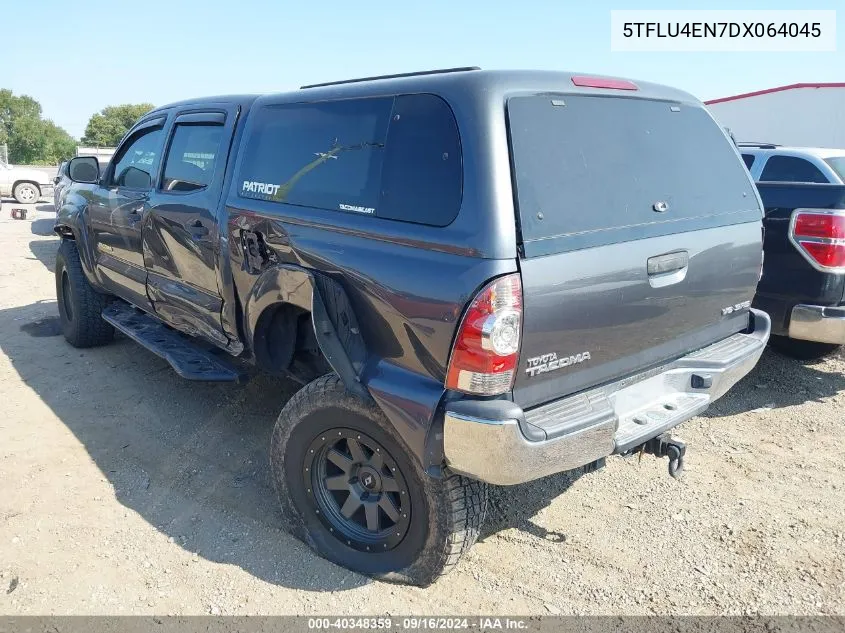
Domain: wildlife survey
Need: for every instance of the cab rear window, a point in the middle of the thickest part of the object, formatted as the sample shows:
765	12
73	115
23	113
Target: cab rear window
837	164
597	170
392	157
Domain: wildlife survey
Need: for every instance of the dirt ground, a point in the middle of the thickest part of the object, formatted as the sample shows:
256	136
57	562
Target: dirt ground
126	490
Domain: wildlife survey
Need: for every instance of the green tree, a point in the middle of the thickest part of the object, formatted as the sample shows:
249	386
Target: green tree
107	127
31	139
13	108
60	145
26	142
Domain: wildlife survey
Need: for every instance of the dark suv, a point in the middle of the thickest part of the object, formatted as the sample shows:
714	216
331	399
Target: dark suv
478	277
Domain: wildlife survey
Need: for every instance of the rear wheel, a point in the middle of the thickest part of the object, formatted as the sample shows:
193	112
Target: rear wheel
352	491
802	350
80	306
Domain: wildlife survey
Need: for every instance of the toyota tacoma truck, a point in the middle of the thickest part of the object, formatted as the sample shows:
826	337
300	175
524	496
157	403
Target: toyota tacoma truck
478	278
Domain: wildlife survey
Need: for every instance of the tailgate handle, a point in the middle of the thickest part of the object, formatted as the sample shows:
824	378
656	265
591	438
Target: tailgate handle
668	263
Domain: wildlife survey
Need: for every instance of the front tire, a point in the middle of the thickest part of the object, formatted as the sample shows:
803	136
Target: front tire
80	306
27	193
352	491
802	350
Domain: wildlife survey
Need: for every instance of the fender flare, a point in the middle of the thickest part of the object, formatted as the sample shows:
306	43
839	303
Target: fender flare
332	317
71	217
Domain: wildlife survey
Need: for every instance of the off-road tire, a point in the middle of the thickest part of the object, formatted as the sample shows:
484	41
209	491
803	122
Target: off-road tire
802	350
80	306
24	198
447	513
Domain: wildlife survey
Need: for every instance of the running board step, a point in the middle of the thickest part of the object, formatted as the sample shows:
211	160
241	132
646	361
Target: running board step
187	359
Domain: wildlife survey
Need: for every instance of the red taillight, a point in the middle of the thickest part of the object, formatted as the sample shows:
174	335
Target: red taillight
827	255
604	82
819	235
818	225
487	345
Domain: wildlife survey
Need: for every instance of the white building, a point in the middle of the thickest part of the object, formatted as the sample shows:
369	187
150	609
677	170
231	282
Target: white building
102	154
804	115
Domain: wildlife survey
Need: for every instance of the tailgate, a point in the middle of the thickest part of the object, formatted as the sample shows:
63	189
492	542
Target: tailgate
641	237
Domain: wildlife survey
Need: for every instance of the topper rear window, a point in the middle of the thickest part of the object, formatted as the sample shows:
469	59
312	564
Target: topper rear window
596	170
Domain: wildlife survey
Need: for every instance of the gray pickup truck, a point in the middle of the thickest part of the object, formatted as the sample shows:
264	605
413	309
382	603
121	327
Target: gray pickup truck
478	278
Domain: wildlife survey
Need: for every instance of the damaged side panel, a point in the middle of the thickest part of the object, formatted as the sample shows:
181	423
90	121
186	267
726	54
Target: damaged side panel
335	326
338	333
381	313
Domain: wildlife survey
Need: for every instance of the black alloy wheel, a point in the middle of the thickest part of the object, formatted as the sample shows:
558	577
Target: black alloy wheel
359	492
352	490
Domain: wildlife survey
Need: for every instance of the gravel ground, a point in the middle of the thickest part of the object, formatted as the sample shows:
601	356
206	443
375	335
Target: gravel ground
126	490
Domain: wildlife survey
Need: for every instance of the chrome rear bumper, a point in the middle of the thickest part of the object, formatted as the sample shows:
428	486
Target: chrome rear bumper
821	324
610	419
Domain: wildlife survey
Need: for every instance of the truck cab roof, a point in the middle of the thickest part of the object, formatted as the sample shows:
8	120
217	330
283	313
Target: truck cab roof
493	83
241	98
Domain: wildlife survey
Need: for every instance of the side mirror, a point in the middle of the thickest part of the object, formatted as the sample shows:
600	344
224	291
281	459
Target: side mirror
134	178
84	169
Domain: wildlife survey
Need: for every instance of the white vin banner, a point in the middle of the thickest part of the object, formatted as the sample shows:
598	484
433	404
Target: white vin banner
722	31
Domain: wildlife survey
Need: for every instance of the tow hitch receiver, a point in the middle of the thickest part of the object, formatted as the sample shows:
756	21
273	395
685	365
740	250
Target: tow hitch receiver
667	446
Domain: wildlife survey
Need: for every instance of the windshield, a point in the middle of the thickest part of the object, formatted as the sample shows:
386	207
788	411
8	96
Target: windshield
837	164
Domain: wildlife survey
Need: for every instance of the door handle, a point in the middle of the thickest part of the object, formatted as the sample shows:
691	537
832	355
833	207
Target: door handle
667	269
670	262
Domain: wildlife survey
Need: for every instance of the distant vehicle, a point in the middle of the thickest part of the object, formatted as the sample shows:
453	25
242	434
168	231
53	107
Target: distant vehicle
774	163
467	298
803	282
25	184
60	183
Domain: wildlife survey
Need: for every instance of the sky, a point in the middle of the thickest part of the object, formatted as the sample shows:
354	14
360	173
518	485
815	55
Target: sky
79	57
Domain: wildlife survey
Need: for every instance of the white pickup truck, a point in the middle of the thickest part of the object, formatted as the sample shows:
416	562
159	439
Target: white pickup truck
27	185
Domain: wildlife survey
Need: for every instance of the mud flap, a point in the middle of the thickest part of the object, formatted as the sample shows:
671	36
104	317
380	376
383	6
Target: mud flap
338	335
